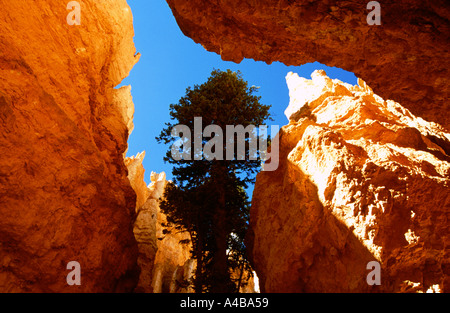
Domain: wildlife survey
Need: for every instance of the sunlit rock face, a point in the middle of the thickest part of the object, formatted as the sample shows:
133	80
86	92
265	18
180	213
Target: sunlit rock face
173	266
64	192
360	179
145	225
165	263
404	58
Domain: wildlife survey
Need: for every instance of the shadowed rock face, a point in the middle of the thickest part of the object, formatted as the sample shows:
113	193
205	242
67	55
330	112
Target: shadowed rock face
360	179
64	192
404	59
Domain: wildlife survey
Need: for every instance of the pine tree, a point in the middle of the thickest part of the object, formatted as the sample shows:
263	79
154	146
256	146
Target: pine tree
207	197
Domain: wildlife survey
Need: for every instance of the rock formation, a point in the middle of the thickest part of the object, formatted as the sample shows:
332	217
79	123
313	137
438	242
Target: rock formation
404	58
145	225
173	266
360	179
165	263
64	192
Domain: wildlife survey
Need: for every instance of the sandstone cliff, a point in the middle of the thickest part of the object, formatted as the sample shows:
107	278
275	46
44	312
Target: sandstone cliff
165	263
404	59
360	179
64	192
173	265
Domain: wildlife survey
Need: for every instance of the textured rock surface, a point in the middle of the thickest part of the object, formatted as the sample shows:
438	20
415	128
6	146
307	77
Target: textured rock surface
360	179
145	225
170	257
165	263
172	261
64	192
404	59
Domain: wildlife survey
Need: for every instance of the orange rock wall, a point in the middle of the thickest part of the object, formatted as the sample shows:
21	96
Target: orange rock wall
403	59
361	179
64	192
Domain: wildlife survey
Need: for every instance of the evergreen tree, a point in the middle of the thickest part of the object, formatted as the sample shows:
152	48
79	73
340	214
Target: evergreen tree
207	197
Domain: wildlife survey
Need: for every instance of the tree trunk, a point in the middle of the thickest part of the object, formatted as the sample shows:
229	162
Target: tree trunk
220	277
240	277
198	285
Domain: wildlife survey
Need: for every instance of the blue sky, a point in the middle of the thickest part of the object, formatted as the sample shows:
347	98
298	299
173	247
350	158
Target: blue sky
171	62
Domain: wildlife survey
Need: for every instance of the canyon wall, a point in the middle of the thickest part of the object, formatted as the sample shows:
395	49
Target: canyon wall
165	263
361	179
64	192
173	266
403	59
